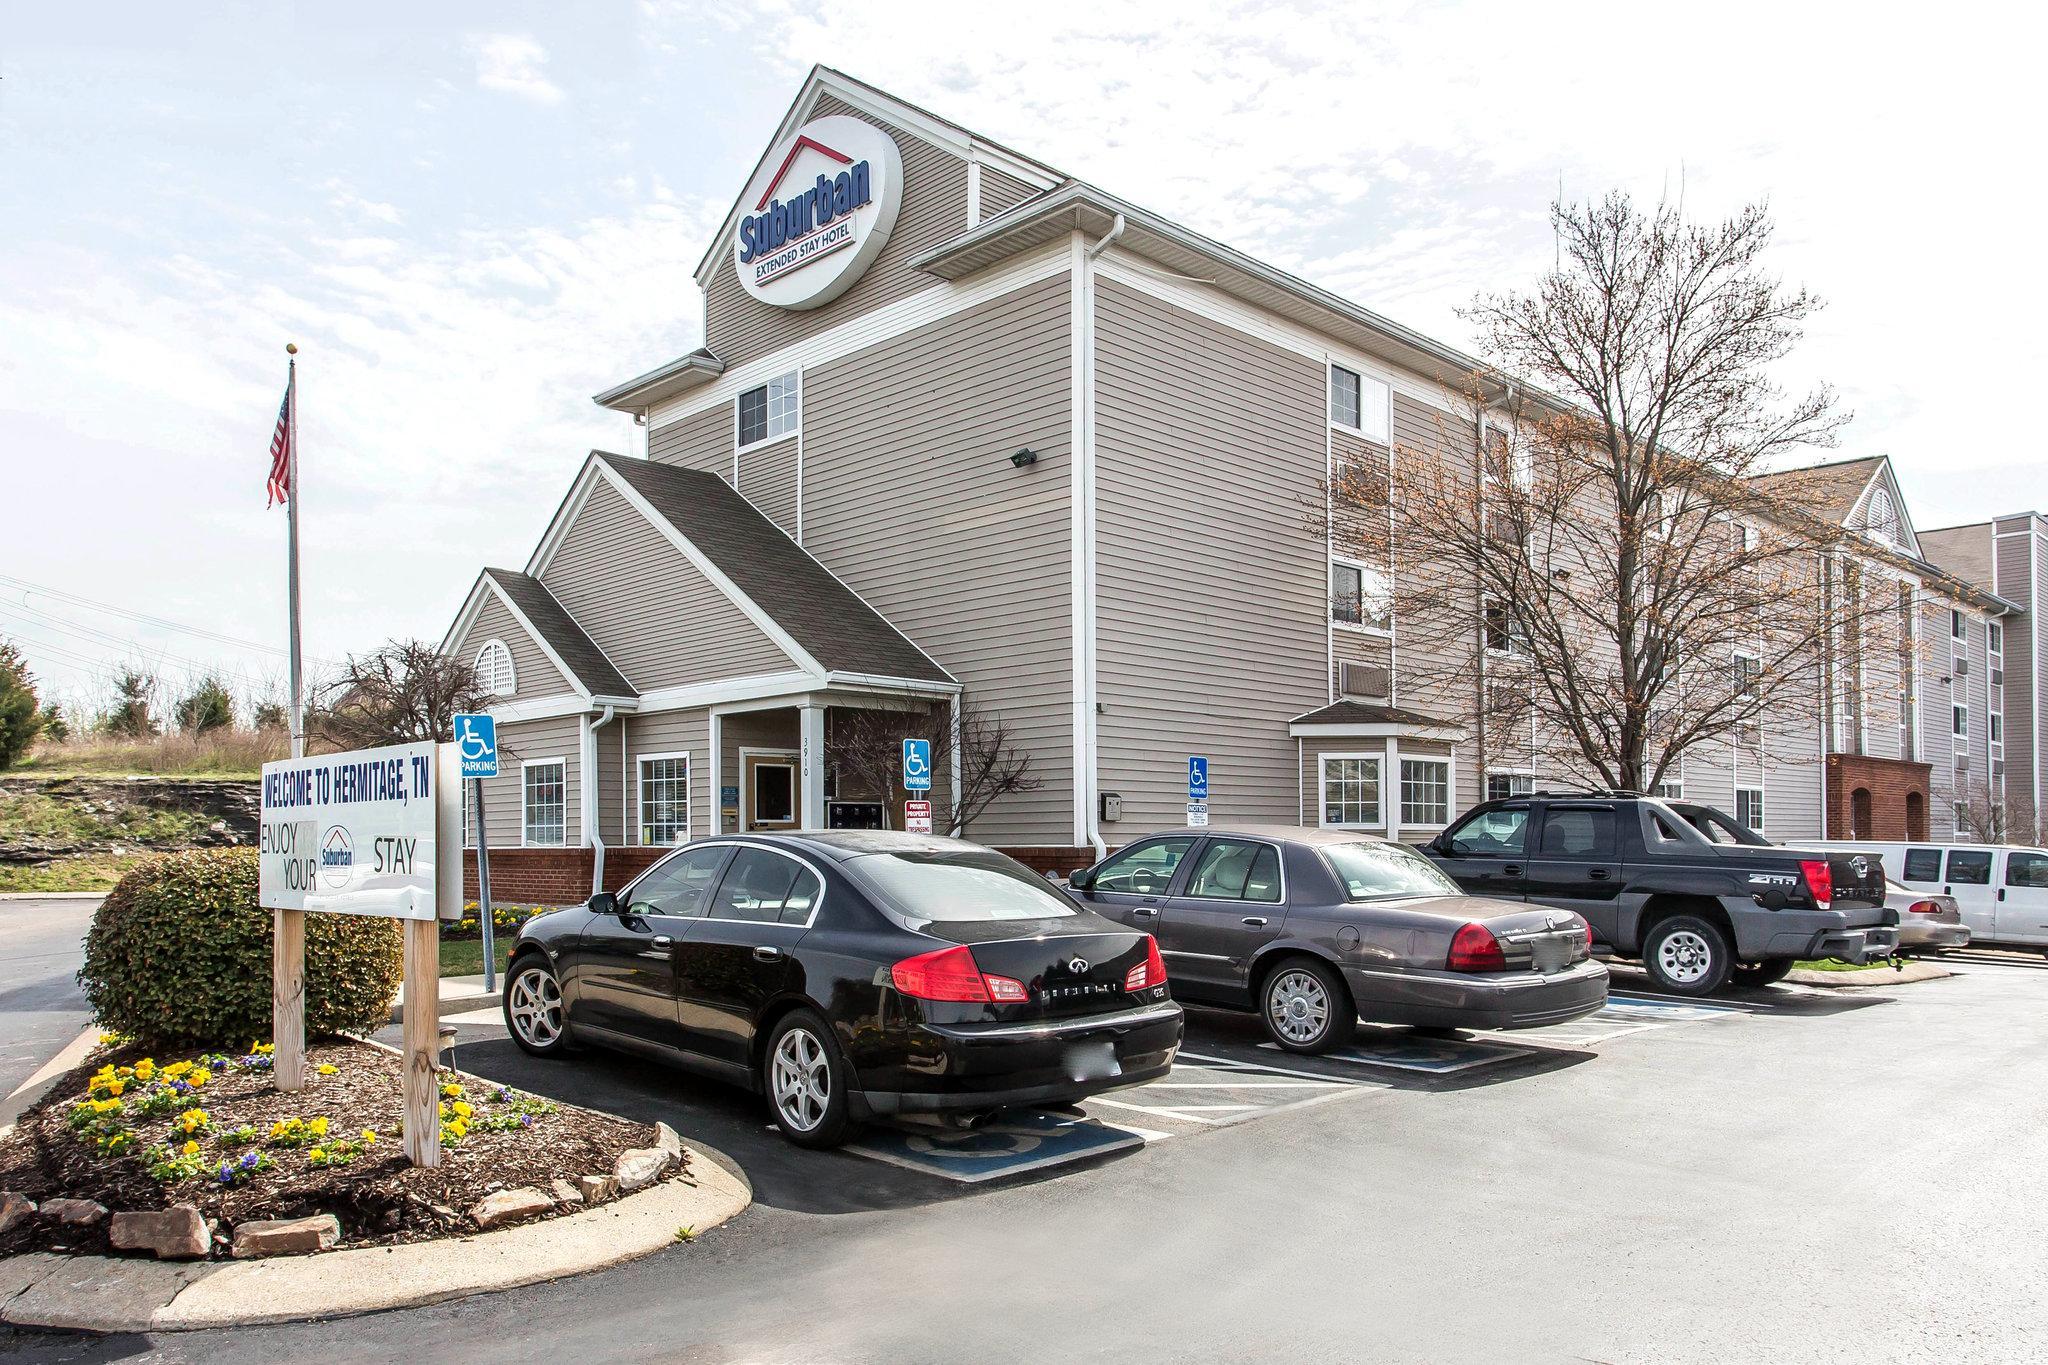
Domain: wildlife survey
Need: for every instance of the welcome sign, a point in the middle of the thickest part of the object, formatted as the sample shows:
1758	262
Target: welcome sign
362	833
818	213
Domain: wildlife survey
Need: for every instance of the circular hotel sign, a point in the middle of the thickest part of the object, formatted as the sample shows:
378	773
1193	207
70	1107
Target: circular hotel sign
818	213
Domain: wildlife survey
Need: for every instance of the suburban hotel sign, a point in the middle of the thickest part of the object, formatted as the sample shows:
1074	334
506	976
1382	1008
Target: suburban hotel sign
818	213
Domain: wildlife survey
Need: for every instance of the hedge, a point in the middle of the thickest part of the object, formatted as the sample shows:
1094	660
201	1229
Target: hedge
179	954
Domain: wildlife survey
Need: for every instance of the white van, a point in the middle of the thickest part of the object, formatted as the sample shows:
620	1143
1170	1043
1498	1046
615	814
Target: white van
2002	891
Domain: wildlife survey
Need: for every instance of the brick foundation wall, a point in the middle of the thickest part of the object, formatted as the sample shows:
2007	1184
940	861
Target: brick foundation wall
1053	857
1889	781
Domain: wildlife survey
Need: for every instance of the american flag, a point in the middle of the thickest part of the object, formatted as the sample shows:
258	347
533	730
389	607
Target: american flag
281	453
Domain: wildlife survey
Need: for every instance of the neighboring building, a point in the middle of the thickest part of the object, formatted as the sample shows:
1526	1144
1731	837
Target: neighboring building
963	424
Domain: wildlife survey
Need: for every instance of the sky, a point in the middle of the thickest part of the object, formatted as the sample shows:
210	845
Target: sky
470	218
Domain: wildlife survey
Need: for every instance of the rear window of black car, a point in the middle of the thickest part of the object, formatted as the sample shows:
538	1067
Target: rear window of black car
1370	871
955	887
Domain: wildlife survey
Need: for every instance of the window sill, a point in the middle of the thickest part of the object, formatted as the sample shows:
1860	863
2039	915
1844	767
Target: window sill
766	441
1355	628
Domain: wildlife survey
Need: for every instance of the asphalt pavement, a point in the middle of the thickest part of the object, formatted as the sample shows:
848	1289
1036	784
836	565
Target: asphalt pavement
1792	1175
42	942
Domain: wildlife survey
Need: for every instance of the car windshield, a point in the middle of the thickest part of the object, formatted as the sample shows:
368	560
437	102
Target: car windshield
1371	871
978	885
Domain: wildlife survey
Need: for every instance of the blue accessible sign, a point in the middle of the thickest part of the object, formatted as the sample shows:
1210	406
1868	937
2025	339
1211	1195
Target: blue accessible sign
476	738
1198	778
917	765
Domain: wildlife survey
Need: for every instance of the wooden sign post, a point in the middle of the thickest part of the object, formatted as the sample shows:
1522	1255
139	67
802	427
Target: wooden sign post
372	832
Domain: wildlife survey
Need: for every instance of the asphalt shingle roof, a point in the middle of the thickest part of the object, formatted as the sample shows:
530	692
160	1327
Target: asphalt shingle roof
560	632
827	618
1829	490
1365	713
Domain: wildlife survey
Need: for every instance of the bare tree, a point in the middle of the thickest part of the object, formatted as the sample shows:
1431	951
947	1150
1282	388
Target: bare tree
1590	551
405	691
1992	817
867	752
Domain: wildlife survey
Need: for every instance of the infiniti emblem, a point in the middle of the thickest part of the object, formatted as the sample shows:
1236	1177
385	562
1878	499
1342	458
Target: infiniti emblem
1079	966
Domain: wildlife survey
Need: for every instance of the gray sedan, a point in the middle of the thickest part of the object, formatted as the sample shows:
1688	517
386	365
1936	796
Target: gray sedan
1317	929
1927	922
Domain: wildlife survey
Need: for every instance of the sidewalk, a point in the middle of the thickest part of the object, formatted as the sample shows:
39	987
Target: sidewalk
459	995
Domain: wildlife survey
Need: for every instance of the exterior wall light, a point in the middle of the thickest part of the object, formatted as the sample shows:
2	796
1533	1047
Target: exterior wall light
1026	456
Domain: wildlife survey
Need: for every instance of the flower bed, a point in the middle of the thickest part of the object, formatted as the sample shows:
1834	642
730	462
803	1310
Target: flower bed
505	922
134	1134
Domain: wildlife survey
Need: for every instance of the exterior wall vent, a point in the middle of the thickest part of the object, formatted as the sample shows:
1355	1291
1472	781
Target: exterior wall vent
1373	682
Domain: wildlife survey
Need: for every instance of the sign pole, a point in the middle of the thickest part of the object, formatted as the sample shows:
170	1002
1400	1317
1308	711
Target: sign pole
483	893
288	927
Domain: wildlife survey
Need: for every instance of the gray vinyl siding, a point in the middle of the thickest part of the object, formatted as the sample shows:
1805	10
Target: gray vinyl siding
533	673
672	732
1937	743
1977	689
2022	567
779	729
1212	602
520	741
703	440
1001	192
910	497
660	620
738	327
611	782
768	479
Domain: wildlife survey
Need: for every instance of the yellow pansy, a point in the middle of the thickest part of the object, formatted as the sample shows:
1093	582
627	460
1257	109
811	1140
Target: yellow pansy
369	1134
189	1148
318	1127
327	1068
462	1109
317	1154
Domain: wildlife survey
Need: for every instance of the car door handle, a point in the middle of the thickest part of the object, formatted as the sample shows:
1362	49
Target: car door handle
764	953
1599	874
1255	921
1143	911
1511	870
663	941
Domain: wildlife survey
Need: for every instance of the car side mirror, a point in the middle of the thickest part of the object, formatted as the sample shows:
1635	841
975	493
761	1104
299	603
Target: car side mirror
1442	844
604	903
1081	879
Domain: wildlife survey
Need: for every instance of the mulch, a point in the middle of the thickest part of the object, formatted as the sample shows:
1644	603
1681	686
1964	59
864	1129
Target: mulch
379	1197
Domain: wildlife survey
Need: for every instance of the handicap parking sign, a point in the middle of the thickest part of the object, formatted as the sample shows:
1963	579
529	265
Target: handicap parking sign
1198	778
476	735
917	765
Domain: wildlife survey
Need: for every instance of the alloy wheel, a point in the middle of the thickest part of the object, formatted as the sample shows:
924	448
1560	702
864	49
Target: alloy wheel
1684	957
1298	1006
536	1002
801	1080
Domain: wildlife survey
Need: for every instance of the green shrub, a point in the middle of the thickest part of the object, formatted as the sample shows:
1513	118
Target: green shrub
180	954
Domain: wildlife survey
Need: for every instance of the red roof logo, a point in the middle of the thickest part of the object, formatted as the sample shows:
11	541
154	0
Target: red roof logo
801	142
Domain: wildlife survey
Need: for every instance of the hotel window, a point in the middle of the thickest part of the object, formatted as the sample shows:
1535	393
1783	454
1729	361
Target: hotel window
1360	596
1351	791
494	669
1997	728
1959	720
1749	807
1359	404
545	799
1749	669
664	798
770	410
1955	623
1501	786
1425	791
1503	633
1994	637
1668	790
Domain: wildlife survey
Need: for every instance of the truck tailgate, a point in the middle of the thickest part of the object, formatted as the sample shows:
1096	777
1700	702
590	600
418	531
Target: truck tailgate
1859	882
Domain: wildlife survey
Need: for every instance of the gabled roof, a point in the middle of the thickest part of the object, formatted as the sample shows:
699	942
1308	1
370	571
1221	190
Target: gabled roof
1373	718
797	595
1832	489
552	625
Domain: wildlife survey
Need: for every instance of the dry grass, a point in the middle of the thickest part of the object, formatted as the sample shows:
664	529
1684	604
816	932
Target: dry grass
221	753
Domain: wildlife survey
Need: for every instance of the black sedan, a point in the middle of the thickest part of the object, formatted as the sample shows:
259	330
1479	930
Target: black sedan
1316	929
849	976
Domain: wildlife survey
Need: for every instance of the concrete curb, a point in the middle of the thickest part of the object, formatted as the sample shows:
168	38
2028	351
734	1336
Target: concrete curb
52	896
109	1294
1876	976
35	1087
459	995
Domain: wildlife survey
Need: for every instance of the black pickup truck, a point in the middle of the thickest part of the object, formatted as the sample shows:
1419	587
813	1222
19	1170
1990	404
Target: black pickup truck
1697	913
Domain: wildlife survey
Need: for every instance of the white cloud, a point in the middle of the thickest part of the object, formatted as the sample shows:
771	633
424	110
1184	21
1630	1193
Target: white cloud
514	64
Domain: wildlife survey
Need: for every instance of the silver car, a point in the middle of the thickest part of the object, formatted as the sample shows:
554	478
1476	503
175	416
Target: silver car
1928	922
1317	929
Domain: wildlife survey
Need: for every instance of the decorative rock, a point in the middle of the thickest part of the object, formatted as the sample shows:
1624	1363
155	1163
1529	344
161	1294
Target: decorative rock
509	1206
665	1140
640	1167
77	1213
564	1192
597	1188
175	1233
286	1236
16	1209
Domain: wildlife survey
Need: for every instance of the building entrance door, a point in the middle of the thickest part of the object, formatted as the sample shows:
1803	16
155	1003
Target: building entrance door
768	797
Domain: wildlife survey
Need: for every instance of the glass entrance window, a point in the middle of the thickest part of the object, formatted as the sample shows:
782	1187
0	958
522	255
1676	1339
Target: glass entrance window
774	793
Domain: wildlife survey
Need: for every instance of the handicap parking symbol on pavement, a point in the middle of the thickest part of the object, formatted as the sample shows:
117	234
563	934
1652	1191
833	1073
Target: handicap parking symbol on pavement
1010	1145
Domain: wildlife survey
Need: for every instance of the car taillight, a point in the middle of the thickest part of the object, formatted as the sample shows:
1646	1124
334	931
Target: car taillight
1475	949
1820	881
948	974
1149	973
1006	990
1587	925
1924	908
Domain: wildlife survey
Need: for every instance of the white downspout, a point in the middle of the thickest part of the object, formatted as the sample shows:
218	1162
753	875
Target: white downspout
1087	779
592	803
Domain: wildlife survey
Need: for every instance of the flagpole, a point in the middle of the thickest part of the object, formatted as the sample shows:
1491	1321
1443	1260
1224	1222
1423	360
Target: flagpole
288	927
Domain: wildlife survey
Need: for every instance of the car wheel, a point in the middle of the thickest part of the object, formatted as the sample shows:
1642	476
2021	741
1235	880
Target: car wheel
1763	973
805	1081
534	1012
1305	1007
1687	955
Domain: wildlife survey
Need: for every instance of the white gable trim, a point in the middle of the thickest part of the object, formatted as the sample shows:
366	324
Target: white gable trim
465	620
1883	477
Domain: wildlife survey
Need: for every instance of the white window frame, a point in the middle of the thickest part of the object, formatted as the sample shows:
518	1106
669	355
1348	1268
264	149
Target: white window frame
1450	789
782	398
1994	641
490	680
1517	645
1995	734
1386	596
1750	680
1759	809
1669	789
1957	629
1528	775
1378	759
1959	719
1375	404
560	762
640	763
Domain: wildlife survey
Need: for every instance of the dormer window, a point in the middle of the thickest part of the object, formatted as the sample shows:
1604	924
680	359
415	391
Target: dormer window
494	669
